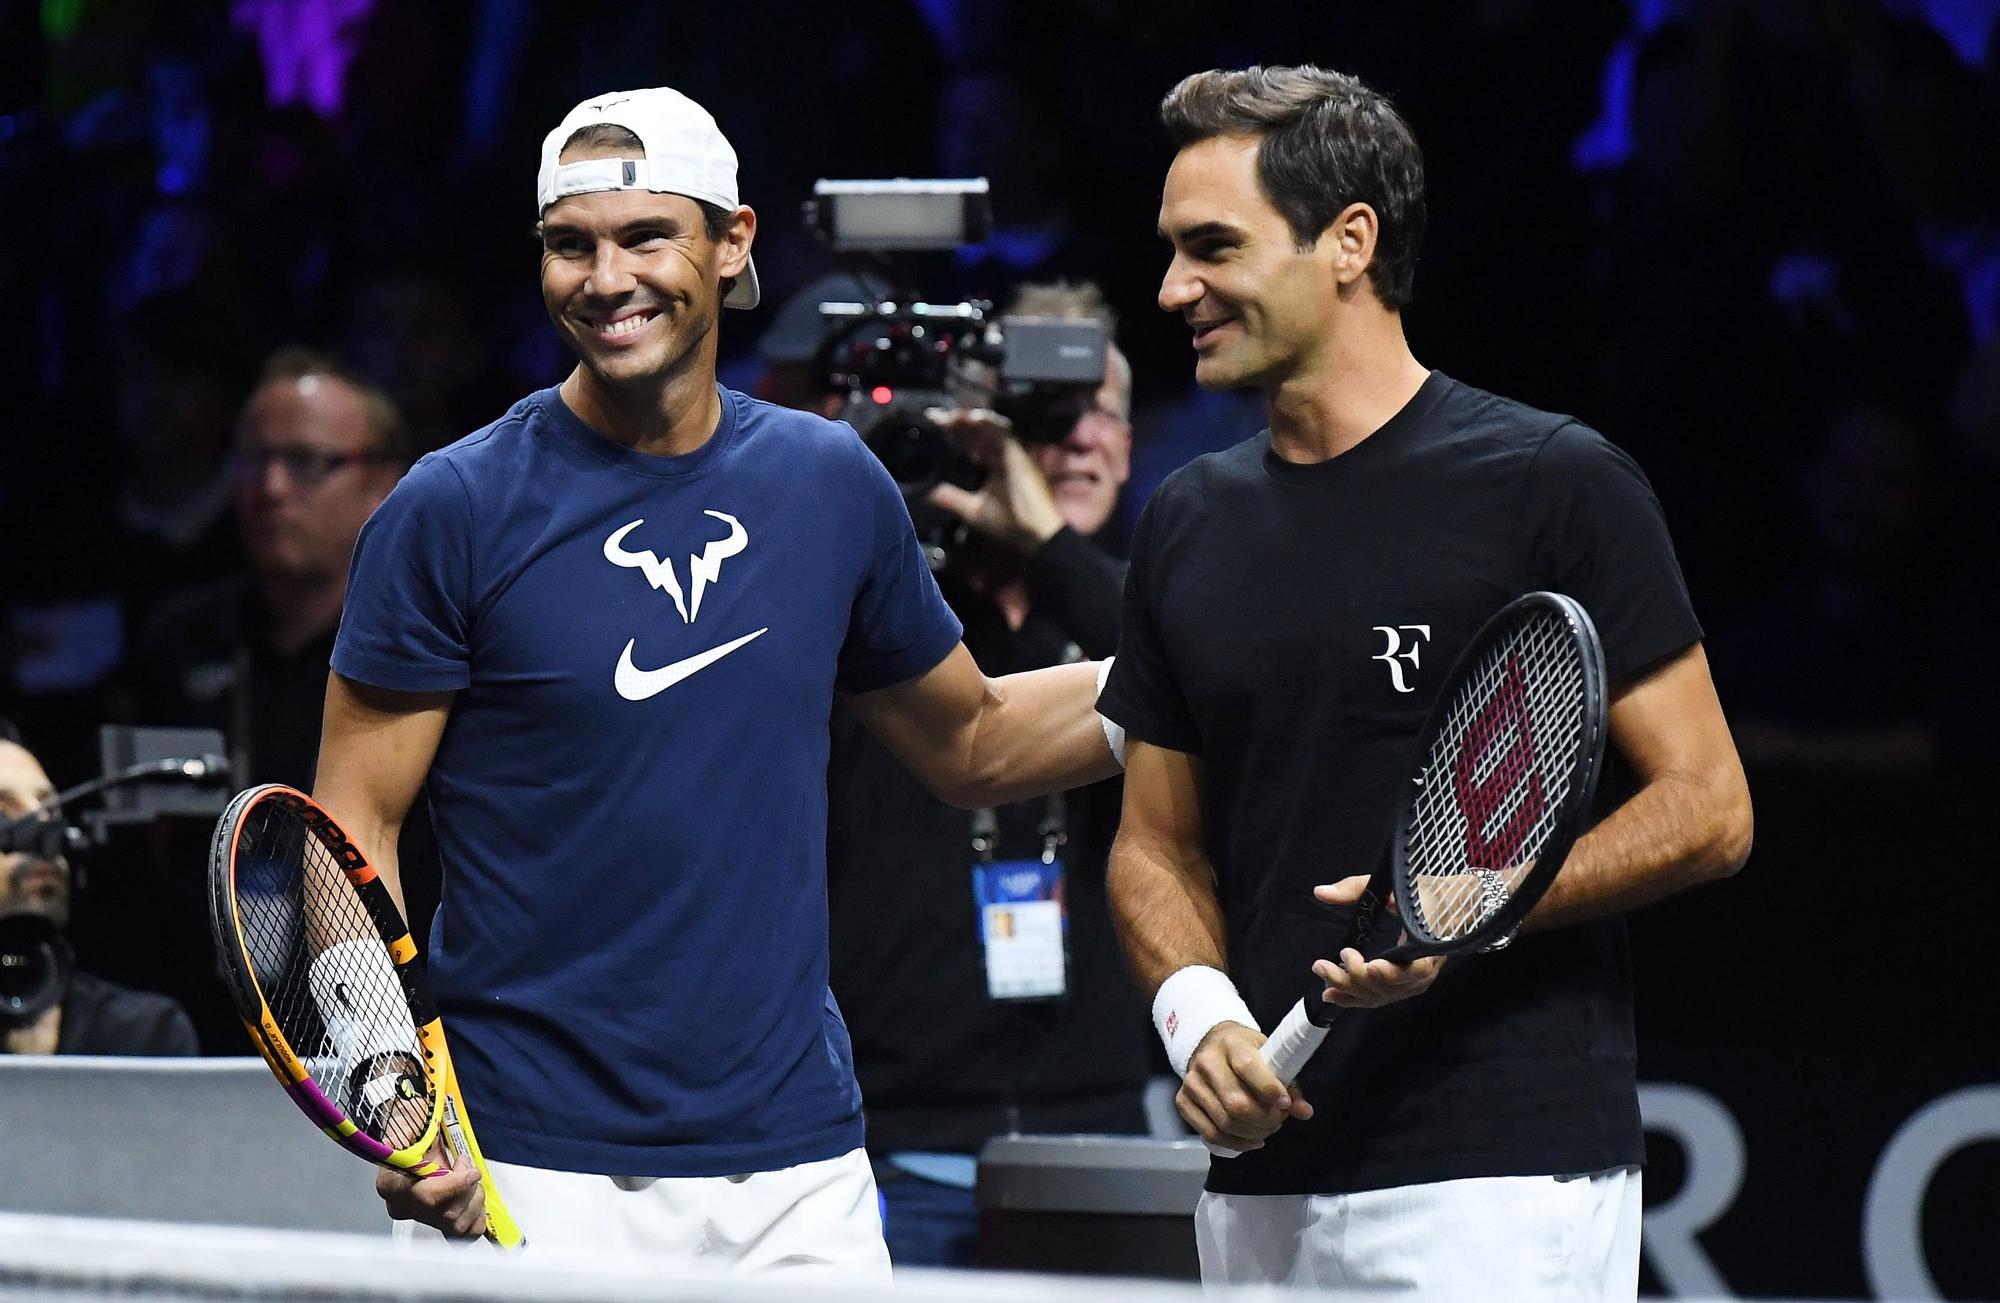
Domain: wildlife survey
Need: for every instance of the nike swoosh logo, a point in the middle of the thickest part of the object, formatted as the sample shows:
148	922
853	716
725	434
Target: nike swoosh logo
635	684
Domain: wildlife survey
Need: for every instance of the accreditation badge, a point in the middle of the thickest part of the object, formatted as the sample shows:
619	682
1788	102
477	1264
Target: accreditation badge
1022	927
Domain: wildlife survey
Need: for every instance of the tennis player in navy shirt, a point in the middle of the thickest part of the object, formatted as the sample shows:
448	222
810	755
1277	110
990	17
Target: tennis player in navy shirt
605	633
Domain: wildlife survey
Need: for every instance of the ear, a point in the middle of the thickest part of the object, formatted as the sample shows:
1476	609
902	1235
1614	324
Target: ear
1349	240
734	245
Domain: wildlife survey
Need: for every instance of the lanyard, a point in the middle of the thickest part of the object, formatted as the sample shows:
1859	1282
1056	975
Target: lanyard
1053	829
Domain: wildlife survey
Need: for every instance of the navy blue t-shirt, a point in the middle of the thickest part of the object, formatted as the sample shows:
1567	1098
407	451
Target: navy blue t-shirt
630	794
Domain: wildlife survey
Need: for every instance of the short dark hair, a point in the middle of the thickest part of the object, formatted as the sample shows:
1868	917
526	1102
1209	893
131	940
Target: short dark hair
1325	141
385	421
609	135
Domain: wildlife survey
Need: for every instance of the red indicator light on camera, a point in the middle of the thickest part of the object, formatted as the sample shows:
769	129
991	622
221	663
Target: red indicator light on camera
882	394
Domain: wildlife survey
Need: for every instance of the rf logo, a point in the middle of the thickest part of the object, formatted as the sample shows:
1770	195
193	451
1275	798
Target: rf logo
1395	655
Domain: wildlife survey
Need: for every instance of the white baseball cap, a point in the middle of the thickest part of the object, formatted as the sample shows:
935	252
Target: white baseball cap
685	155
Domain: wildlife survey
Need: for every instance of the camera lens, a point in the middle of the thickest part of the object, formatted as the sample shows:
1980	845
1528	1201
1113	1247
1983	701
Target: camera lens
914	450
34	966
917	454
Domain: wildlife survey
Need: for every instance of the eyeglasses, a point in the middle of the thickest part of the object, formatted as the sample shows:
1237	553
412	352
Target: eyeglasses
303	466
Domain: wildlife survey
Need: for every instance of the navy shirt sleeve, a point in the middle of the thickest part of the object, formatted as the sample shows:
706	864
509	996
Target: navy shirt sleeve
900	626
1603	540
1142	695
407	621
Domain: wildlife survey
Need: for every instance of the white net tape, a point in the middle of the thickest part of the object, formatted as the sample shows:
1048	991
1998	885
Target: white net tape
1496	776
46	1259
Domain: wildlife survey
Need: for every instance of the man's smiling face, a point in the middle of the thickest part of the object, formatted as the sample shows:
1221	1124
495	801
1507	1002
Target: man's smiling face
632	279
1252	297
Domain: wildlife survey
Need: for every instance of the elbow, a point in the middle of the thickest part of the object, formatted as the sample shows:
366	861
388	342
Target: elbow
1732	831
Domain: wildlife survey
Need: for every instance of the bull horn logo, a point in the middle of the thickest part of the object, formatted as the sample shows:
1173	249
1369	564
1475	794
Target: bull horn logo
703	570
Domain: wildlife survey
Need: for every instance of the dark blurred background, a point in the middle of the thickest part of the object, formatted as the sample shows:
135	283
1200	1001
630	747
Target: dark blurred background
1756	243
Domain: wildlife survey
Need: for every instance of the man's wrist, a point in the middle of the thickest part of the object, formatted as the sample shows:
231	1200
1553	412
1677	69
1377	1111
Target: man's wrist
1190	1004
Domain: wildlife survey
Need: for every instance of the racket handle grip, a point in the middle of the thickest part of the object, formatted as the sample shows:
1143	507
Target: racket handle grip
1290	1045
1293	1041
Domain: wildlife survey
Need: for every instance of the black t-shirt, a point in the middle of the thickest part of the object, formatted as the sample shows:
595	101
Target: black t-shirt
1291	624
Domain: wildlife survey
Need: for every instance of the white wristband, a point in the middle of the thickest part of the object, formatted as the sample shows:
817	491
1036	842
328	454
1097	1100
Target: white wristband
1114	736
1189	1005
361	1001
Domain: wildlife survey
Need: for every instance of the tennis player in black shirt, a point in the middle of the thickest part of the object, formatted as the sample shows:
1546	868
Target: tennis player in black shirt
1293	606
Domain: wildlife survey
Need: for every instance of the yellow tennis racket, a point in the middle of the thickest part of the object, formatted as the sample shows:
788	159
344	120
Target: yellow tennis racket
328	983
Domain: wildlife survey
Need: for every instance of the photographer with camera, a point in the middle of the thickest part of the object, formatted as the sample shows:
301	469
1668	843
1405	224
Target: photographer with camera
972	951
45	1006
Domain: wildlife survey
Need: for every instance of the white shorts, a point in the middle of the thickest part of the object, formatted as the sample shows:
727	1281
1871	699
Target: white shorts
1499	1238
821	1217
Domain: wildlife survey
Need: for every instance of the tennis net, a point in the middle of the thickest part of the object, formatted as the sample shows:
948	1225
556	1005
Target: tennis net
69	1259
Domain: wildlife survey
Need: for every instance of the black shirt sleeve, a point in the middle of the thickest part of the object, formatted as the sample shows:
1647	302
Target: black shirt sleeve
1142	695
1602	539
1076	583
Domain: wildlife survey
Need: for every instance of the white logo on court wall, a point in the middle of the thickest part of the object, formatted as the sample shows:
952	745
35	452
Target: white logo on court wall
635	684
1395	654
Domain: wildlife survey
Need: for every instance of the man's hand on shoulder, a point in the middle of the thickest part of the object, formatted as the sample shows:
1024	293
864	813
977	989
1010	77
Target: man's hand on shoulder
1230	1097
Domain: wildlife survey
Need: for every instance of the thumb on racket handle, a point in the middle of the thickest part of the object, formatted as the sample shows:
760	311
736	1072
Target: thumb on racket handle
1290	1044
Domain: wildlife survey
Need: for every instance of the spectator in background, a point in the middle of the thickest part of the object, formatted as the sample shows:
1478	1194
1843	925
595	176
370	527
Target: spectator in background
92	1016
317	448
949	1048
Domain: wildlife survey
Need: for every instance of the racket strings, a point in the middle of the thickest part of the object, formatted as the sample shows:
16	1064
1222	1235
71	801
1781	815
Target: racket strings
327	978
1496	778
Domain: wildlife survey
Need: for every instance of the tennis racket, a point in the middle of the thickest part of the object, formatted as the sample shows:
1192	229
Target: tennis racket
1506	765
327	981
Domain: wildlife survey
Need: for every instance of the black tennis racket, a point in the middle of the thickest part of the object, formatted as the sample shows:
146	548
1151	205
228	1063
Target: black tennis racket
328	982
1506	765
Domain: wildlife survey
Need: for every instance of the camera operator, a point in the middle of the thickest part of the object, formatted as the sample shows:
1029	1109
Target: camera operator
45	1006
973	954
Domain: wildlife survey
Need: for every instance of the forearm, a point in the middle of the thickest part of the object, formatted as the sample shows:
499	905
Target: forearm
375	749
1164	904
1035	732
1676	832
